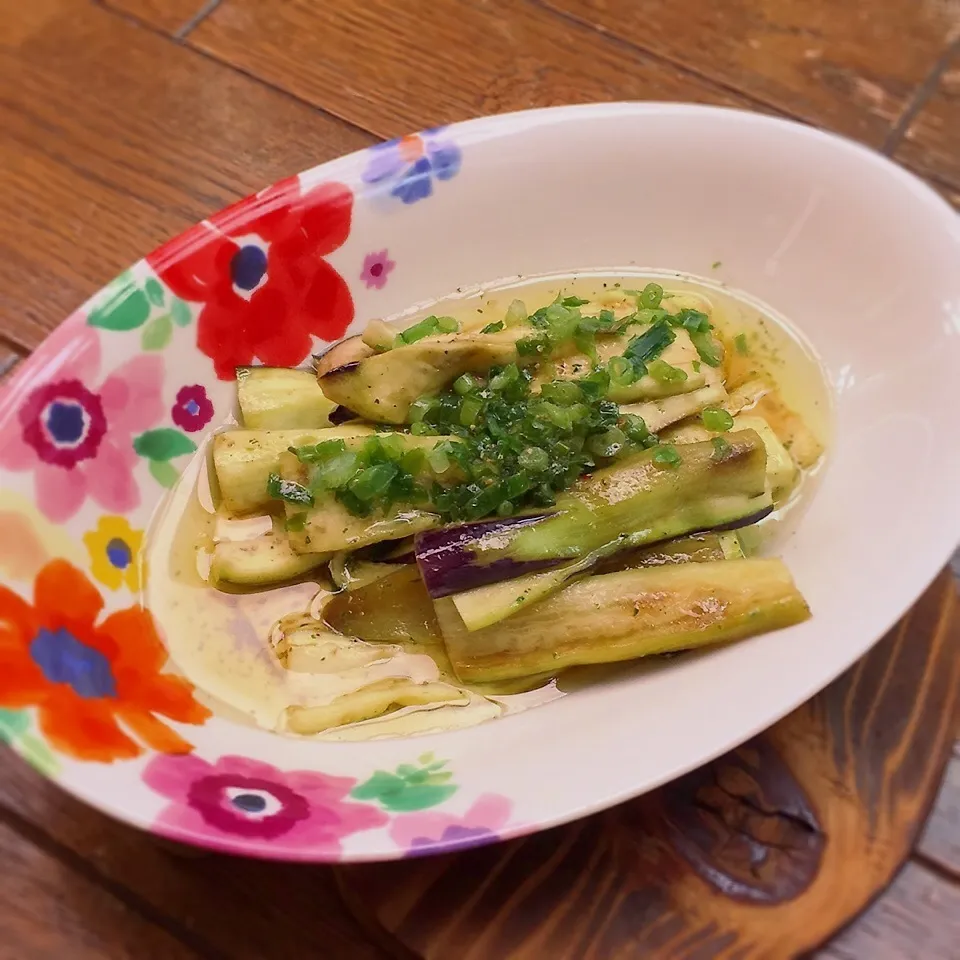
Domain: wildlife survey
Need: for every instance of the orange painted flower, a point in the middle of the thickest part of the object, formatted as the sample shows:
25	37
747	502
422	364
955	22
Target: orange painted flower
97	687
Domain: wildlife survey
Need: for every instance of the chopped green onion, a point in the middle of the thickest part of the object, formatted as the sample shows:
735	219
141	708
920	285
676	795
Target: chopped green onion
438	459
650	296
596	384
517	484
716	419
426	327
573	302
373	481
470	411
635	428
710	350
666	455
413	461
740	342
534	458
296	522
392	445
721	449
421	429
693	321
663	372
696	364
622	371
504	508
607	444
509	374
495	327
516	313
564	392
651	343
463	384
531	346
447	325
419	409
288	490
336	471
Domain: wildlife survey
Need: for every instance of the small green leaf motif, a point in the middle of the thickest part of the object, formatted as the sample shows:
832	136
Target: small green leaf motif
13	724
37	754
408	788
154	291
180	311
164	473
156	334
14	729
125	308
164	443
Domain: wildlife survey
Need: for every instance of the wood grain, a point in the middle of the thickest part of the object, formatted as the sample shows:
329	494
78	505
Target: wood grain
918	917
940	843
100	162
763	853
382	66
171	16
852	67
931	144
50	913
222	906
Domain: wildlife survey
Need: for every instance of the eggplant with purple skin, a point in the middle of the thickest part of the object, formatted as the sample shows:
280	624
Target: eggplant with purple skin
708	489
622	616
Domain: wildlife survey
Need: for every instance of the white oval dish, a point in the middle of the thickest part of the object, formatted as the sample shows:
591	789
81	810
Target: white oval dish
857	253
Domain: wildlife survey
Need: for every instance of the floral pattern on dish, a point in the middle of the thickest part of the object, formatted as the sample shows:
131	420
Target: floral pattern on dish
407	167
376	268
98	685
239	805
259	271
436	832
114	548
77	436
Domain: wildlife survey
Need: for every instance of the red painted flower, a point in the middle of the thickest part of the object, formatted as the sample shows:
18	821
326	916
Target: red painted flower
258	270
98	687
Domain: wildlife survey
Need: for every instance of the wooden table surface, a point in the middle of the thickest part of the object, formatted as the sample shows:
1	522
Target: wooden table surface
124	121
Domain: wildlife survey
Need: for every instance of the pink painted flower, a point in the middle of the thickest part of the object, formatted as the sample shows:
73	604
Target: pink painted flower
433	832
376	268
192	410
238	805
75	432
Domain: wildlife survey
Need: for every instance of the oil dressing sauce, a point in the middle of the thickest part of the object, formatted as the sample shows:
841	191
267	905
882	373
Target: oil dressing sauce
221	640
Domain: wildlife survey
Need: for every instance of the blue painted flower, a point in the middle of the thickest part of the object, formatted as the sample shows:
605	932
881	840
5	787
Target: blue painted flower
407	166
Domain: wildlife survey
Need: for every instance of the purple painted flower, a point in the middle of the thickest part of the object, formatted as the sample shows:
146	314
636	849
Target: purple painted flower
376	268
192	410
433	832
406	167
246	806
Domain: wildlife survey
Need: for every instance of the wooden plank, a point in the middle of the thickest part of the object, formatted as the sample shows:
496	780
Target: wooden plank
931	144
171	16
849	66
101	162
940	843
381	65
230	907
50	912
918	916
